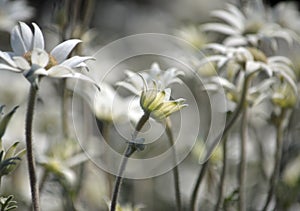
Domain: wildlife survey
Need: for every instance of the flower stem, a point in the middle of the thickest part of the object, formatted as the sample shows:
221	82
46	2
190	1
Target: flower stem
106	137
175	169
278	154
233	117
127	153
29	148
242	165
223	174
65	109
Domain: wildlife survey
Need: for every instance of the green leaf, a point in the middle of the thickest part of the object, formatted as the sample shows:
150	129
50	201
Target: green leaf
5	120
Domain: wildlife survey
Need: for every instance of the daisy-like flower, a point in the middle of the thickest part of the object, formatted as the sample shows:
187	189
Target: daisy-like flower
250	60
30	58
249	27
151	86
109	106
235	64
158	104
135	84
13	11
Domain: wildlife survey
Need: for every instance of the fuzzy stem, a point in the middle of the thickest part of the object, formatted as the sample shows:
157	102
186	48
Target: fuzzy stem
127	153
227	128
242	165
65	109
223	174
278	155
106	137
29	148
175	169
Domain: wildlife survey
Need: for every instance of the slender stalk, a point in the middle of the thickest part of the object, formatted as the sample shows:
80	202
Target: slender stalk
127	153
65	109
227	128
43	180
197	185
278	154
29	148
223	174
242	165
106	137
175	169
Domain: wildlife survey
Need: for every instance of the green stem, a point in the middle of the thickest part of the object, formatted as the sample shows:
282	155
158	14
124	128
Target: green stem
278	155
223	174
127	153
175	169
227	128
29	149
242	165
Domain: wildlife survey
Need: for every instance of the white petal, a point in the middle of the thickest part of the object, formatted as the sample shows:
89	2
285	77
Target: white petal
59	71
38	39
39	57
77	76
216	47
234	10
27	36
252	67
129	87
17	42
62	51
41	71
228	18
9	68
221	28
5	56
76	60
21	62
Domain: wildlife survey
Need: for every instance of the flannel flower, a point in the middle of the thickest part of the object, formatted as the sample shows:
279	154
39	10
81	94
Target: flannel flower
30	58
237	63
151	86
109	106
248	27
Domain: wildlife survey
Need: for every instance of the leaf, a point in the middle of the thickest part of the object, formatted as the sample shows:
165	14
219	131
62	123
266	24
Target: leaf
5	120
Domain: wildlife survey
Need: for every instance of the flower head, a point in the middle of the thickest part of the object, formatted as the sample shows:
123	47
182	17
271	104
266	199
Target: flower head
30	58
151	86
158	104
162	79
249	27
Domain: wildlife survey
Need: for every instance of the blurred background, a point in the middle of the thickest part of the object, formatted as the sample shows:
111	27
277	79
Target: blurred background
82	185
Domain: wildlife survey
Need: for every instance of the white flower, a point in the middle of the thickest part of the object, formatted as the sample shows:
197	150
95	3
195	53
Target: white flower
30	58
151	86
158	104
248	28
162	79
13	11
109	106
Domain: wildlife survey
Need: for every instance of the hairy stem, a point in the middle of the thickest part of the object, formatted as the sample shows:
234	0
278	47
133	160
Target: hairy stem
30	155
175	169
65	109
242	165
278	154
106	137
227	128
128	152
223	174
